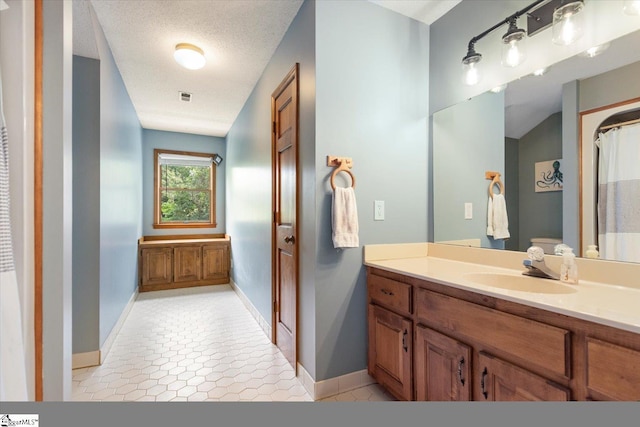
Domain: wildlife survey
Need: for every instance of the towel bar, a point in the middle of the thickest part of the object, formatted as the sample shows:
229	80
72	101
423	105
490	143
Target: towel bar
495	180
342	164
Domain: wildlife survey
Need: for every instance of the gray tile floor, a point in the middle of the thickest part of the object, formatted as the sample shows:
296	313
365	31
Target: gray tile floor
196	344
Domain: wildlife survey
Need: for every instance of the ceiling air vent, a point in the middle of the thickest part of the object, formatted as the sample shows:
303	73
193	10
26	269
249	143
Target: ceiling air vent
185	96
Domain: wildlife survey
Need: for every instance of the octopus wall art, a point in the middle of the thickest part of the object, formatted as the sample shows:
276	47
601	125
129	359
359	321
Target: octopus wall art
548	176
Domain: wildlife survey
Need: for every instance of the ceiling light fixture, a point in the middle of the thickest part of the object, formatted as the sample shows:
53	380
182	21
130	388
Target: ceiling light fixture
568	22
189	56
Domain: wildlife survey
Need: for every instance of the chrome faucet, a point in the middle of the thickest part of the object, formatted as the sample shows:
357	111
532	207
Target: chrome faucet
536	266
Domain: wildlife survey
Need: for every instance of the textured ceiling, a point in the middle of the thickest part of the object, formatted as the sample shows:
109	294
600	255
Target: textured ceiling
237	36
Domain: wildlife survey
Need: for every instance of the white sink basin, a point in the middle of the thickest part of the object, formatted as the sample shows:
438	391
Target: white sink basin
520	283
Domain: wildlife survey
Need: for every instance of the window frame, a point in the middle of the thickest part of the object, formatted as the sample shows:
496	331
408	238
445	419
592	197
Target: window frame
156	192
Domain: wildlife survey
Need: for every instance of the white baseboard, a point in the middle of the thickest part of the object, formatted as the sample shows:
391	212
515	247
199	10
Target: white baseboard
327	388
106	347
264	325
85	360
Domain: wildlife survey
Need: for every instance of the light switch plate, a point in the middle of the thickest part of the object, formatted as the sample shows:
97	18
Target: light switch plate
378	210
468	211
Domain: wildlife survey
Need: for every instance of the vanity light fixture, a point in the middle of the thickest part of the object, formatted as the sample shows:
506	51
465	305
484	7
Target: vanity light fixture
513	49
566	16
189	56
568	22
631	7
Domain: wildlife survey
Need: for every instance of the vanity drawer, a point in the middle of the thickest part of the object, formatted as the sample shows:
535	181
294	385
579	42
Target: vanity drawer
543	345
612	370
390	293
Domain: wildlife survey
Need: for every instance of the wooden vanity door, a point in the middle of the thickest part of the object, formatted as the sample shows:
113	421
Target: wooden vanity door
443	367
187	263
502	381
157	266
390	351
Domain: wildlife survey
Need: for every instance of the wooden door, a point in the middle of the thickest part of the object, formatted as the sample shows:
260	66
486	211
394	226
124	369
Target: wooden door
215	262
157	266
443	367
390	350
186	260
502	381
284	113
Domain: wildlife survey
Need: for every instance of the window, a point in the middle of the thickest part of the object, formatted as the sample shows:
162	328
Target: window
184	189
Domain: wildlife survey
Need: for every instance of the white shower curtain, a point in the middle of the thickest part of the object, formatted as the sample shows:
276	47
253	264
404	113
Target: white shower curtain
13	381
619	194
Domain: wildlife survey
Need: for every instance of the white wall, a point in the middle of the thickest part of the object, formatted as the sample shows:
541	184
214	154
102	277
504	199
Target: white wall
16	64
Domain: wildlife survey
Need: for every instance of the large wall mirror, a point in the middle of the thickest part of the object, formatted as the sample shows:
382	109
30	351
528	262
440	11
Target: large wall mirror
518	132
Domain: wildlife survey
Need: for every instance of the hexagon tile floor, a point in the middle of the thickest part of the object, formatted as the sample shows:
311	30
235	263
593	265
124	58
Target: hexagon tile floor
196	344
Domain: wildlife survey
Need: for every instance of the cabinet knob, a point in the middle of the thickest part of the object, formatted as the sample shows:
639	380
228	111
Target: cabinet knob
404	341
290	240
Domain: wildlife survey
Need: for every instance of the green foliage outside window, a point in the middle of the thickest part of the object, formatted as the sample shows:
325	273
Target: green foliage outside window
185	194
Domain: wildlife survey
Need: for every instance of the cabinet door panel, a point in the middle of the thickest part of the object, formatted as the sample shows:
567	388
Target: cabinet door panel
215	262
187	263
443	367
502	381
613	372
157	266
390	351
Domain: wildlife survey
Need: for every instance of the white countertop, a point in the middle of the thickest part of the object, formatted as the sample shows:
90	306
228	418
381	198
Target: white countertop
611	305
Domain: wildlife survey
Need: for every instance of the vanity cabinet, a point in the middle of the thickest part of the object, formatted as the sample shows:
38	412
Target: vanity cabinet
471	346
181	261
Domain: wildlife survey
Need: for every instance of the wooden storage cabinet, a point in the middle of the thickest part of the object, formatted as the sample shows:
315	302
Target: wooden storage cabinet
182	262
156	266
390	351
470	346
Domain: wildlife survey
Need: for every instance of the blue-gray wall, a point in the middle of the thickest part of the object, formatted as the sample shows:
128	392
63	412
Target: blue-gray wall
249	203
540	213
372	77
152	139
86	204
468	140
511	192
120	190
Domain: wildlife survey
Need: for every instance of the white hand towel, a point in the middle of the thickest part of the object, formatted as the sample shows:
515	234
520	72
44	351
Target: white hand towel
344	218
490	217
500	220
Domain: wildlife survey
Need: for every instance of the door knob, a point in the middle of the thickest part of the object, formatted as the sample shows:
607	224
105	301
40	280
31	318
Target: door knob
290	240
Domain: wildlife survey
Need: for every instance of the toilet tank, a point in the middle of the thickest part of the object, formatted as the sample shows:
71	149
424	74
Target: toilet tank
546	243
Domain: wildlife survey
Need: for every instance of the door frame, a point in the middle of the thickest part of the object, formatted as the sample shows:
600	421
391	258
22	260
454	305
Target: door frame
292	75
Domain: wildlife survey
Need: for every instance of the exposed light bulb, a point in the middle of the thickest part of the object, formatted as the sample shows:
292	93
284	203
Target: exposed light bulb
471	75
513	47
568	23
631	7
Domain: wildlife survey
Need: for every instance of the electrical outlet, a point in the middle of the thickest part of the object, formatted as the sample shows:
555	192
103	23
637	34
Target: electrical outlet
378	210
468	211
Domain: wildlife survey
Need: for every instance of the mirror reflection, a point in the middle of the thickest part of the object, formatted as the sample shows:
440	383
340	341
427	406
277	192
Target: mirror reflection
518	132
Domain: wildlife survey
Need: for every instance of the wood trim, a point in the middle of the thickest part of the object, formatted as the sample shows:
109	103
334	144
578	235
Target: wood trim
156	192
37	202
606	107
183	237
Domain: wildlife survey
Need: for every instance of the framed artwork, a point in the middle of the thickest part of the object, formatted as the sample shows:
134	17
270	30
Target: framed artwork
548	176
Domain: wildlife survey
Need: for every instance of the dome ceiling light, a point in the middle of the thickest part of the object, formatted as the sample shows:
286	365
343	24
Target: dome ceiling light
189	56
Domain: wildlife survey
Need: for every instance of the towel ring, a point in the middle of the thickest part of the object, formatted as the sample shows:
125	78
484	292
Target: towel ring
342	169
496	181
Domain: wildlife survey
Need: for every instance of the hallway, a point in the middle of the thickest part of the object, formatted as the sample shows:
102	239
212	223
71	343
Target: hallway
196	344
